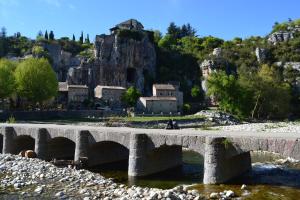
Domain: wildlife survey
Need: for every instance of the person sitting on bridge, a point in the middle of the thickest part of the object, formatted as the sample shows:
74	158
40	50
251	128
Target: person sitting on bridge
170	125
175	125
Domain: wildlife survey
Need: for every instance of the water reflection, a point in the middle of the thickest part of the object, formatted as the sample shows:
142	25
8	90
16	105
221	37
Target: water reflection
267	180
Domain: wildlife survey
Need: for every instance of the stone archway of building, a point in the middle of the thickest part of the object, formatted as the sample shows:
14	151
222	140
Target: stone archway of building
107	153
23	143
131	75
1	143
61	148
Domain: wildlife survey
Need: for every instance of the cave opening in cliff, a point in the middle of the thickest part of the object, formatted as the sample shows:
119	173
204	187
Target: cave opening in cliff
131	73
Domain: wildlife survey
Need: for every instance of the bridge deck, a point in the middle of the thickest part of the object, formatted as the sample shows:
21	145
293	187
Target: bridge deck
182	132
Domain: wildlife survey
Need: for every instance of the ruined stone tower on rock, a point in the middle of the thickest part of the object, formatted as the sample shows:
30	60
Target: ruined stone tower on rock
124	58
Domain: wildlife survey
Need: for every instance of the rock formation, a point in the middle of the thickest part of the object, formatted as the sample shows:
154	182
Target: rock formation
121	58
261	54
62	61
280	36
283	36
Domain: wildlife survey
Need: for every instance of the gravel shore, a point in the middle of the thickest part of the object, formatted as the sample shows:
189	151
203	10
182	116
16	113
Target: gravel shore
26	178
274	127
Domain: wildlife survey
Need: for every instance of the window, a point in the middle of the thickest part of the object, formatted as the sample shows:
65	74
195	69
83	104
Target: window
131	73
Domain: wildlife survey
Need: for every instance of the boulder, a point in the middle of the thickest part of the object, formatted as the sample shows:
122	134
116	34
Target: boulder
30	154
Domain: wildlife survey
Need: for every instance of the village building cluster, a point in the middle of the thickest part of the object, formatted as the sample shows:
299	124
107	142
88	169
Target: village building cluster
166	99
117	66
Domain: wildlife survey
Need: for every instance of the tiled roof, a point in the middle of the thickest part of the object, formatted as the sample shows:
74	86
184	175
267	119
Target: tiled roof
154	98
164	87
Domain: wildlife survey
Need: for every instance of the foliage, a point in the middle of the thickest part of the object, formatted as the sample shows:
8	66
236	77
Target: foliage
87	53
260	94
130	34
229	94
212	42
51	35
81	38
284	26
131	96
71	46
186	108
196	92
46	35
7	81
11	120
36	80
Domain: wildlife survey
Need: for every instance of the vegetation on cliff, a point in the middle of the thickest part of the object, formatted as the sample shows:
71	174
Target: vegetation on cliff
245	83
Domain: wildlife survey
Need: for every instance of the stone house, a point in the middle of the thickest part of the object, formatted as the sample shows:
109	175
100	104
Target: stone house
131	24
157	105
166	99
168	90
110	94
72	93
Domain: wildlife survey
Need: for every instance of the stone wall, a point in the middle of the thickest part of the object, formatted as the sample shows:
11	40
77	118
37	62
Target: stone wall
48	115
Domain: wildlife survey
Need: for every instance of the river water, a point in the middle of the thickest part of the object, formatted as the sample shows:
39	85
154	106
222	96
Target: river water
269	178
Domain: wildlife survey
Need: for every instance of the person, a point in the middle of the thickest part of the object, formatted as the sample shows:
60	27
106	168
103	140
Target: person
175	125
169	125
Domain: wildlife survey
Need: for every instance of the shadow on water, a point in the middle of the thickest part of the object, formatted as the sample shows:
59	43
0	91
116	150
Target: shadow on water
267	180
190	172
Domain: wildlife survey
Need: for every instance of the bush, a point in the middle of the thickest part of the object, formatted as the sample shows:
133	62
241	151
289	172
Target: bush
130	34
186	108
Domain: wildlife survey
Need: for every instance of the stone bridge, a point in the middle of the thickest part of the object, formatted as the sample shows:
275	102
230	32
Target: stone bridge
148	151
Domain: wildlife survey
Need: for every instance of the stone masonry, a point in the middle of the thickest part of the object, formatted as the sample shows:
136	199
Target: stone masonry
148	151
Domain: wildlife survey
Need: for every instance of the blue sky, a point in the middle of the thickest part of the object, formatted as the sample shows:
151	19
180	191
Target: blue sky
221	18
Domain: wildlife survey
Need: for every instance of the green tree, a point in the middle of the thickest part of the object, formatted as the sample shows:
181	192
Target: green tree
46	35
7	80
271	95
131	96
3	32
36	80
167	42
157	36
81	38
51	35
212	42
87	39
174	31
230	96
196	92
73	38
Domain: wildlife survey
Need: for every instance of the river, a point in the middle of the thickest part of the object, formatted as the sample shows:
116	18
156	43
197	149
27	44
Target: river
269	179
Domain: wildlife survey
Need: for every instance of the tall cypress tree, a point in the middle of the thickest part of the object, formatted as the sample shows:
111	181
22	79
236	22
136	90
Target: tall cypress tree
73	39
87	39
51	35
81	38
46	35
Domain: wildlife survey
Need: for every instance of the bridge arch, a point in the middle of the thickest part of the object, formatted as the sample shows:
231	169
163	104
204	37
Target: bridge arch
104	152
23	142
281	146
60	148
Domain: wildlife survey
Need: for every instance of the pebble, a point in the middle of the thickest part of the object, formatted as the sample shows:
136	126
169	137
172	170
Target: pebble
65	183
243	187
214	195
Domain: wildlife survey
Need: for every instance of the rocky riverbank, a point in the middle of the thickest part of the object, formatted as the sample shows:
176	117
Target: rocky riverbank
36	179
274	127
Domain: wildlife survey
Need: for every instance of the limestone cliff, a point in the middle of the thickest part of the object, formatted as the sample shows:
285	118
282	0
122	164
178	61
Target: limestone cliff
124	58
124	61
